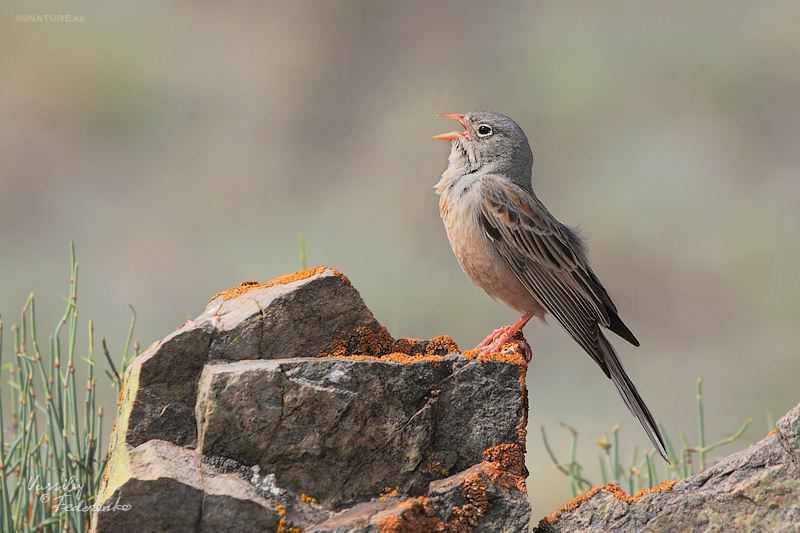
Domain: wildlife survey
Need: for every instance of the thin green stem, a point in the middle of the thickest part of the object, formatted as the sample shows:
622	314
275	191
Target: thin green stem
674	462
729	439
686	452
700	423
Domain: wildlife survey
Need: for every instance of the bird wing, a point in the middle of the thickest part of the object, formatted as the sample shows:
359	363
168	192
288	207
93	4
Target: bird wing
549	260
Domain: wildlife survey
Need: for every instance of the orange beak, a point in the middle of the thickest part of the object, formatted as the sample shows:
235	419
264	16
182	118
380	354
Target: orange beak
453	135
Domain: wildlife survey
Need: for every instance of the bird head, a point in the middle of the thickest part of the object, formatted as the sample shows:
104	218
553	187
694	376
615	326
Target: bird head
490	142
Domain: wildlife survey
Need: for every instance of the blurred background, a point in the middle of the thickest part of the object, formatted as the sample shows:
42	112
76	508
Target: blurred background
184	147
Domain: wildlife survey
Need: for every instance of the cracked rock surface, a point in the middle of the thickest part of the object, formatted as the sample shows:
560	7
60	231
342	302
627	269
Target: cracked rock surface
287	407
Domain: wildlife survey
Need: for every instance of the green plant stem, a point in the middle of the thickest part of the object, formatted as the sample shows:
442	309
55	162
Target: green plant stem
700	424
5	523
727	440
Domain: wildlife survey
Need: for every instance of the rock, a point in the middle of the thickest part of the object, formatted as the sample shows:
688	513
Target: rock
312	422
482	498
294	316
286	406
298	315
158	398
756	489
160	486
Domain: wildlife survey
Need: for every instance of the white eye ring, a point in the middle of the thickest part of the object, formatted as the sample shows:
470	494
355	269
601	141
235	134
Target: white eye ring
484	130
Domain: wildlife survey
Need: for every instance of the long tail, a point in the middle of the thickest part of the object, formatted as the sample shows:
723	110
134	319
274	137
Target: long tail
631	396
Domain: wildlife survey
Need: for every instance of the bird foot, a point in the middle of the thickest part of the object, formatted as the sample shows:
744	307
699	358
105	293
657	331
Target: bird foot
506	334
502	337
502	334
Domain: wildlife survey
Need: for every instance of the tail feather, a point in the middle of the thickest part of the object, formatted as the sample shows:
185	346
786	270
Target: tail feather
631	396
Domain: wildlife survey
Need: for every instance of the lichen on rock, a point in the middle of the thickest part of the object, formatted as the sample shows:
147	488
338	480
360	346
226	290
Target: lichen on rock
756	489
286	406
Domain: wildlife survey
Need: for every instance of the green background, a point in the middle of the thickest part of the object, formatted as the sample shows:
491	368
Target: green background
184	146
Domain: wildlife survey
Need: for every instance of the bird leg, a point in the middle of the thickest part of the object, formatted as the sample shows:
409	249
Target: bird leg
503	335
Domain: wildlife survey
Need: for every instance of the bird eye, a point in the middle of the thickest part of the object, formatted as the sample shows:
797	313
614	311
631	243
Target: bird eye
484	130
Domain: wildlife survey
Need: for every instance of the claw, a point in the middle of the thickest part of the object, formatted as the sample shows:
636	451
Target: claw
503	335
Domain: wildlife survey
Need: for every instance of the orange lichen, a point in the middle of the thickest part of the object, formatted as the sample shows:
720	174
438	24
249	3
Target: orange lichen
248	286
771	433
417	515
434	466
569	506
405	359
375	343
389	492
503	478
509	457
405	345
282	526
506	466
509	354
664	486
466	517
440	344
618	493
522	432
308	499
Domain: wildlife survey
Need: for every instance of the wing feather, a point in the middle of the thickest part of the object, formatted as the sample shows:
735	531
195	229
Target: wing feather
548	259
527	235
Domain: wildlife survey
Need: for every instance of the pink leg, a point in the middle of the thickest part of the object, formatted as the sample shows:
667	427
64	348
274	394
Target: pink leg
502	336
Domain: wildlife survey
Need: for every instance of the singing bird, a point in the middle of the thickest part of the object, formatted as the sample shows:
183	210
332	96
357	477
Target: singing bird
514	250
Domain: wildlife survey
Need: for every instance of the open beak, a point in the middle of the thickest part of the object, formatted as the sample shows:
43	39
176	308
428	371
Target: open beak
454	135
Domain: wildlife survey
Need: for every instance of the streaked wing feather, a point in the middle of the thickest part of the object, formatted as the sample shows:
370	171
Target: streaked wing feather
544	257
530	236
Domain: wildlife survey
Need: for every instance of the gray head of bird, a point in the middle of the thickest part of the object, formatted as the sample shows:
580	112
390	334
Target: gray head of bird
492	143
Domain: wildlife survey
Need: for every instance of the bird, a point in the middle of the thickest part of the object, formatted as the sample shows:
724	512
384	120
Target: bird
513	249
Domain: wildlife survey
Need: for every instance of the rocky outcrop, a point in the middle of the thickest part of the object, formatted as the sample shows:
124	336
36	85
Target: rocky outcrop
756	489
287	407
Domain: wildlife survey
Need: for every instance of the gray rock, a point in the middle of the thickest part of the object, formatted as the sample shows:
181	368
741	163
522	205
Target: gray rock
482	498
756	489
161	387
343	430
289	391
299	318
165	487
